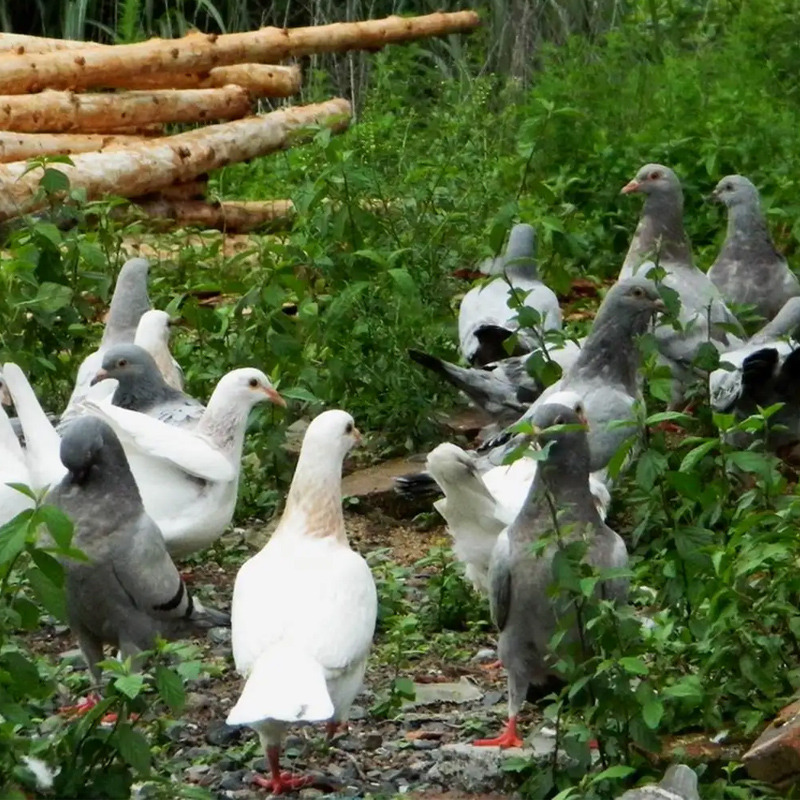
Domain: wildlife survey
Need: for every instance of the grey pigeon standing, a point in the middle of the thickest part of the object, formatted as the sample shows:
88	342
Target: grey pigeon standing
128	303
521	576
748	269
143	388
661	239
679	783
485	319
605	377
130	591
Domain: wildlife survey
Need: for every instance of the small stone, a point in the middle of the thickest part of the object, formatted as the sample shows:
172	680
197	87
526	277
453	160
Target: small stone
294	742
195	753
372	741
176	732
425	744
74	658
350	744
491	699
220	635
228	765
221	734
233	781
487	655
197	772
198	701
310	793
357	713
259	764
464	691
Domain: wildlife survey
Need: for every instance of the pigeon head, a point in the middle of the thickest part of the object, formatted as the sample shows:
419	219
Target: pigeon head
129	364
248	387
569	450
154	325
450	463
736	190
128	303
655	180
88	442
570	400
333	430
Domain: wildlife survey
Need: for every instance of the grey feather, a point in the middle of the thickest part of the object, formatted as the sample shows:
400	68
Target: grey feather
661	239
749	270
130	591
528	613
129	301
486	321
142	387
679	783
500	581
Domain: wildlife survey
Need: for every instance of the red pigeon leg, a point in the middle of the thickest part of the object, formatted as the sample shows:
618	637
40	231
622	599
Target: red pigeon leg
332	728
280	781
508	738
81	708
490	667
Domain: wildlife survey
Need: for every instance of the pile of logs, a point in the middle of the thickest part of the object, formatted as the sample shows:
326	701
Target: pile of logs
106	106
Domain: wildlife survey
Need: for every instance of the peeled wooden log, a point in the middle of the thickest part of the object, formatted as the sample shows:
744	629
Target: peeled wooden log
145	168
62	112
154	129
197	52
20	44
20	146
261	80
236	217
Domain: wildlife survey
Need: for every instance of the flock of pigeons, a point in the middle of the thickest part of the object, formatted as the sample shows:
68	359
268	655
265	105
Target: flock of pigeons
148	473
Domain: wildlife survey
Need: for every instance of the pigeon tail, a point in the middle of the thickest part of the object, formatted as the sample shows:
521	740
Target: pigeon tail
204	617
286	685
416	485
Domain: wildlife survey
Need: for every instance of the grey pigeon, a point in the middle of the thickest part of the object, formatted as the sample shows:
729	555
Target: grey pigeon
128	303
520	577
485	320
660	239
142	387
604	377
679	783
503	389
725	382
130	591
748	269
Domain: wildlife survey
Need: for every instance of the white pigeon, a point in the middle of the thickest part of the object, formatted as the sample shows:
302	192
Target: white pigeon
128	303
152	334
725	384
478	507
304	607
13	468
189	478
485	319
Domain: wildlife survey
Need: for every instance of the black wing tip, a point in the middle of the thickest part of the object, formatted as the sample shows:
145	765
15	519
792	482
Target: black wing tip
426	360
415	485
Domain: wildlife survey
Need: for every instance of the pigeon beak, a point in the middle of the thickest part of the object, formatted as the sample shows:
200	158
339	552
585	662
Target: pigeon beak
101	376
582	417
659	305
632	186
713	197
274	397
356	436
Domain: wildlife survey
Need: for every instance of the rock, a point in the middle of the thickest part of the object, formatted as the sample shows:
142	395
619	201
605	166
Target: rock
194	753
466	422
310	793
464	691
373	487
221	735
177	731
350	744
492	698
680	783
487	655
196	773
775	756
357	713
372	741
220	635
74	658
233	781
425	744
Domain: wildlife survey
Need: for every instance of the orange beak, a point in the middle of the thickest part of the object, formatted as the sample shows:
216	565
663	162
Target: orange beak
274	397
357	435
101	376
632	186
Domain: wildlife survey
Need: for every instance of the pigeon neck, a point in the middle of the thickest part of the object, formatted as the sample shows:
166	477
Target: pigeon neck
747	234
660	235
142	395
314	505
224	424
129	302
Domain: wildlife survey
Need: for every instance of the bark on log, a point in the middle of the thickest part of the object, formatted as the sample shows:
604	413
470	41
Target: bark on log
145	168
155	129
197	52
235	217
261	80
66	112
20	44
21	146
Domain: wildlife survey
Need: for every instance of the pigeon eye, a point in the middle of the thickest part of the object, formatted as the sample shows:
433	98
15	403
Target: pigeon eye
123	362
253	382
637	292
654	176
349	428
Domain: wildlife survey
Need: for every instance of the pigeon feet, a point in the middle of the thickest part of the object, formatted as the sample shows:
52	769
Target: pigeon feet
283	782
332	728
81	708
491	667
508	738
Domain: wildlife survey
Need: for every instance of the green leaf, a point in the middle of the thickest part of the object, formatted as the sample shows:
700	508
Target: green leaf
633	665
652	712
693	457
58	524
133	747
130	685
50	595
51	568
617	771
170	687
13	536
403	280
52	297
404	687
53	180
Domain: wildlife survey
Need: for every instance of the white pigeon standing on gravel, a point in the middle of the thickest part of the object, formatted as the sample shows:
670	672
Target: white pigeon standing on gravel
189	478
478	507
485	319
304	607
152	334
661	239
128	303
748	269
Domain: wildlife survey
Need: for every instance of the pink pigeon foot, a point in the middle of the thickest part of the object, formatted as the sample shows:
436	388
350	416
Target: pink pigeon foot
508	738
